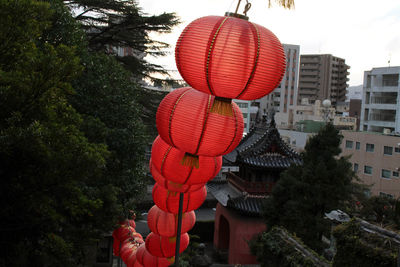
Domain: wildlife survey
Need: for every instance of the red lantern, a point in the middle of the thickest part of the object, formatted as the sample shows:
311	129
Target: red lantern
184	121
166	224
230	57
116	246
128	249
172	186
147	260
166	159
124	232
168	201
164	247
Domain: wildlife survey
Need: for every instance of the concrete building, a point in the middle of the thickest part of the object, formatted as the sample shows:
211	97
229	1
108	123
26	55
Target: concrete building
380	110
376	160
284	98
322	77
249	112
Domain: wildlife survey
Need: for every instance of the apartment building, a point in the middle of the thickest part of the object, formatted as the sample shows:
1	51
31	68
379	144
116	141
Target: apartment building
284	97
322	77
376	160
380	111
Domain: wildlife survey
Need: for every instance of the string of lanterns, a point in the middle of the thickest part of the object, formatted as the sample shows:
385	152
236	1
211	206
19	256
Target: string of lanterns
221	58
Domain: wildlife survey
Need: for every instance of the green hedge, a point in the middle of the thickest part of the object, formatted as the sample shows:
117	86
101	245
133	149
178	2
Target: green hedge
278	248
358	248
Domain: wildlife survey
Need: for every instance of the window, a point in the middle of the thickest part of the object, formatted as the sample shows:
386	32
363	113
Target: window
395	174
367	169
355	167
397	149
386	174
370	147
357	145
349	144
387	150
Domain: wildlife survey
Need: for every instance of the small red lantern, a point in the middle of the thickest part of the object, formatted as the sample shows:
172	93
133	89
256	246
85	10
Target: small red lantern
164	247
166	159
147	260
230	57
184	121
168	201
166	224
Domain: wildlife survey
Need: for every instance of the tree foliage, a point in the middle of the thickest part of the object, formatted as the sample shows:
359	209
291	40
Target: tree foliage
360	248
66	176
109	103
112	24
46	161
304	193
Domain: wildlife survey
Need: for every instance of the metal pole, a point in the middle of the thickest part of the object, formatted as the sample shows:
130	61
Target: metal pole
178	231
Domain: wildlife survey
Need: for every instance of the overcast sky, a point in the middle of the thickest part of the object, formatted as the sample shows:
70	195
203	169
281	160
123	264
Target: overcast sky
366	33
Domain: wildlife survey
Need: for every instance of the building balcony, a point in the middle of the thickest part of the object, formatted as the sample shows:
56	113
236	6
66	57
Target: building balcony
381	106
249	187
385	124
385	89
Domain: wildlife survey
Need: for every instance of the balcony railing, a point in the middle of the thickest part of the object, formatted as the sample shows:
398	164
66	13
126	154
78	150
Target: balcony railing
249	187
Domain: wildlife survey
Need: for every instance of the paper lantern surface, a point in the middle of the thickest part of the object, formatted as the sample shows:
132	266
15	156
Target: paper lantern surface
168	201
164	247
184	121
166	159
230	57
144	258
166	224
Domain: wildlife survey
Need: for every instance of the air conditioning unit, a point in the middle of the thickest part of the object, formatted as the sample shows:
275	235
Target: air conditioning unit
386	131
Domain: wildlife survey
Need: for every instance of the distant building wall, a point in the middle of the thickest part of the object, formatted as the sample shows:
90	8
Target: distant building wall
376	160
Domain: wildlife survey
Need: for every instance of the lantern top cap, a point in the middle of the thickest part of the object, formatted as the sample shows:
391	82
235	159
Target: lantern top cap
236	15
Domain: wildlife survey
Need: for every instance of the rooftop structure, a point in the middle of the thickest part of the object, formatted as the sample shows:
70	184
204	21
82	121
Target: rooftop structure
380	111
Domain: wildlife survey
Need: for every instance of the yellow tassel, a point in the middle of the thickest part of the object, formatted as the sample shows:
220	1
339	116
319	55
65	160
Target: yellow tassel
175	184
190	160
171	259
172	239
222	106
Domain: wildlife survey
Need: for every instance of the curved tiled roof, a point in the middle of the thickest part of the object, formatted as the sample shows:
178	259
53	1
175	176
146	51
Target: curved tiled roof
263	147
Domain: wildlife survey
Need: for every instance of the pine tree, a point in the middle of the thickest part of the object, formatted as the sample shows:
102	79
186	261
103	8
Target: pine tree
305	193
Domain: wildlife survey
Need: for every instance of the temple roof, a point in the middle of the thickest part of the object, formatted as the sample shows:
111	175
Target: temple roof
230	197
263	147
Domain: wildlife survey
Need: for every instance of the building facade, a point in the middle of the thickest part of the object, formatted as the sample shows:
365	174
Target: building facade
380	110
376	160
284	98
256	165
322	77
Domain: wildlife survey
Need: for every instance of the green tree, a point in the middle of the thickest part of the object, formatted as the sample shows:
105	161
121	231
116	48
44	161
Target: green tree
112	24
47	165
304	193
109	103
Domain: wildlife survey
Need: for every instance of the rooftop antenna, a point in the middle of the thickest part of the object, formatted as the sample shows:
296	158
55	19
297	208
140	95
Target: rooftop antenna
390	57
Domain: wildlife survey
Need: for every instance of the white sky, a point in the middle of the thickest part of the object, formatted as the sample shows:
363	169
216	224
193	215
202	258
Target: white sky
366	33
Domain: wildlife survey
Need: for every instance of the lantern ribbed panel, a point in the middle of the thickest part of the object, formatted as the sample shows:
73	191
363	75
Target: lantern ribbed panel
147	260
127	251
124	232
161	246
168	201
166	224
166	159
172	186
184	121
230	57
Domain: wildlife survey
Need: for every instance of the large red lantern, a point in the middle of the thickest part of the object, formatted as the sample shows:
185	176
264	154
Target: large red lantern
184	121
230	57
166	159
170	185
166	224
147	260
168	201
164	247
